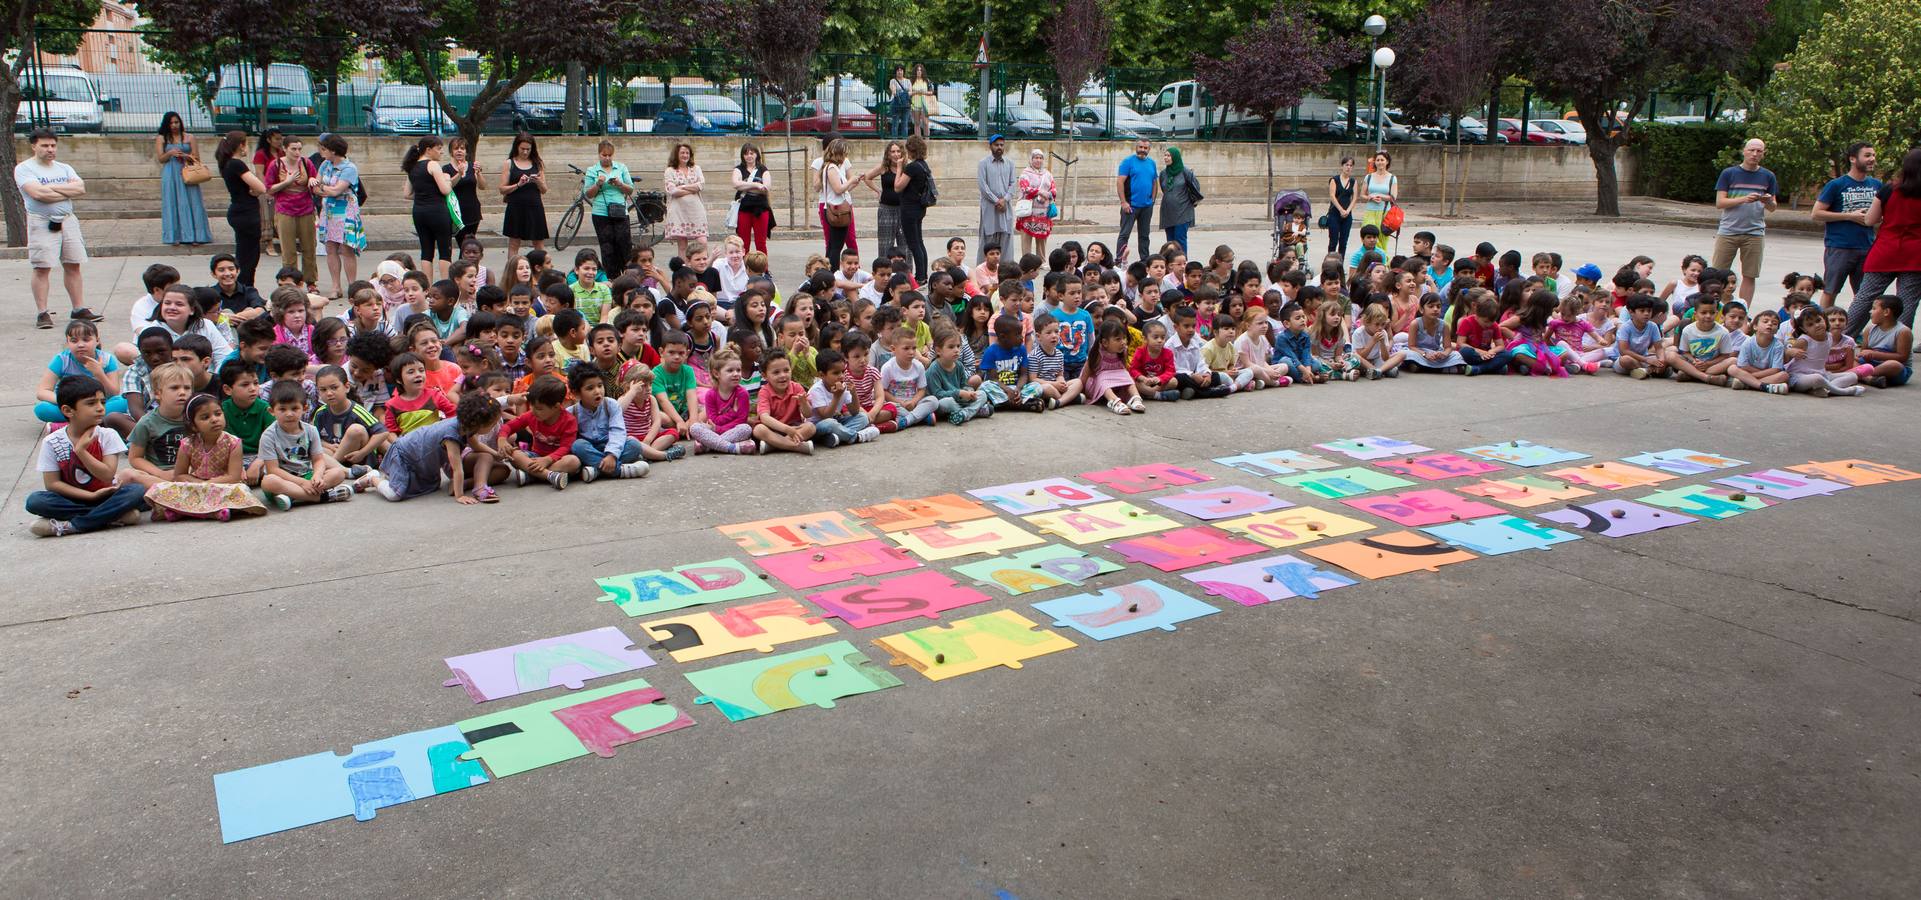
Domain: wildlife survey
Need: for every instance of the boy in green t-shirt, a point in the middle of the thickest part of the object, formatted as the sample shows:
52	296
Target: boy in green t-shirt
674	381
247	415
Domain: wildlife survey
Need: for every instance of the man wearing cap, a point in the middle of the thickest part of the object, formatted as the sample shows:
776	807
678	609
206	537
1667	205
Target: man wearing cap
1744	194
996	177
1138	182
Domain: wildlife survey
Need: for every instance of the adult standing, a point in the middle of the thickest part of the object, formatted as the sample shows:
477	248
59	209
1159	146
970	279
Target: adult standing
754	220
429	184
921	99
1138	183
900	96
183	213
913	185
290	181
523	182
1180	192
53	233
1744	194
686	211
836	204
244	189
341	228
610	185
995	176
1842	208
883	179
1037	193
1340	208
265	151
468	183
1382	189
1896	257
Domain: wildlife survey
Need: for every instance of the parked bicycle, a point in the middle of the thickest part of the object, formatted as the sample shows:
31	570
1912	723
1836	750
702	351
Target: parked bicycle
646	213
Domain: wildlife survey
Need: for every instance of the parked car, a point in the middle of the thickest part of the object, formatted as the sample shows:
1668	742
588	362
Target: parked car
702	114
1028	121
539	108
288	98
1473	131
1566	131
811	117
1394	129
947	121
1127	123
1511	129
406	109
64	95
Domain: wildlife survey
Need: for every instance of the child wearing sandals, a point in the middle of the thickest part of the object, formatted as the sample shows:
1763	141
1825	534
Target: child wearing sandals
1807	355
1106	376
454	446
206	482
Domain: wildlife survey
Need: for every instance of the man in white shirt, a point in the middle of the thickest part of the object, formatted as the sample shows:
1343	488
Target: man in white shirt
53	234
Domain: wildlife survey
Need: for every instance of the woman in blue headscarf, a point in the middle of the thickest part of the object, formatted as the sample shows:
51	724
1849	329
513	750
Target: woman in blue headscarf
1180	192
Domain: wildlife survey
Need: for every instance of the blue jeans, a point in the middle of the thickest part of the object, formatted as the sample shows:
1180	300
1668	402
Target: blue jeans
1338	229
843	429
1178	234
1486	363
591	453
88	516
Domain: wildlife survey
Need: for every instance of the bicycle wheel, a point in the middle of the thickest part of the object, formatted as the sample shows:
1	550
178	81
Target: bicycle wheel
569	225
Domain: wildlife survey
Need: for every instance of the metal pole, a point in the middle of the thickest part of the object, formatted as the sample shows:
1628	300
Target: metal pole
1370	94
1379	102
987	16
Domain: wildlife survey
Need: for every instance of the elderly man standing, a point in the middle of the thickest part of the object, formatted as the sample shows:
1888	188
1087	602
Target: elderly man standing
996	177
1744	194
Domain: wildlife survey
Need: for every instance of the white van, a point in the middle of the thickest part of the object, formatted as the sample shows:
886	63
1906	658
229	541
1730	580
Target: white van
1185	107
67	97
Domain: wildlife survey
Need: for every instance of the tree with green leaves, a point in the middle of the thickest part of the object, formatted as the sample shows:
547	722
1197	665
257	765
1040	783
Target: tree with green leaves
198	38
59	21
1077	40
1270	65
1854	79
1449	59
777	40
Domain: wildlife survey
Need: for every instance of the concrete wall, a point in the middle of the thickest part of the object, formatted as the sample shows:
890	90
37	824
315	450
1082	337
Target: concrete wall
123	180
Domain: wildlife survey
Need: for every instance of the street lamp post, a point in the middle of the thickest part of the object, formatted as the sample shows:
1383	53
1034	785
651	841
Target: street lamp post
1383	58
1374	26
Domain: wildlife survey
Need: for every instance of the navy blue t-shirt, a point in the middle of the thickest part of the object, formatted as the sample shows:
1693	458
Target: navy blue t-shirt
1845	194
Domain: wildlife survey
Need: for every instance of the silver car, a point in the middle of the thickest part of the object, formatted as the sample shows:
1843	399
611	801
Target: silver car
406	109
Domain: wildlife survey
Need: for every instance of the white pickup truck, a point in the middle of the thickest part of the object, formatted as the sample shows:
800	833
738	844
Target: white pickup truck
1184	108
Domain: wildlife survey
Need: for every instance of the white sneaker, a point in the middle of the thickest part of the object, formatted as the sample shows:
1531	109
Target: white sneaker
633	470
520	477
338	493
866	434
807	447
558	480
589	473
367	482
51	527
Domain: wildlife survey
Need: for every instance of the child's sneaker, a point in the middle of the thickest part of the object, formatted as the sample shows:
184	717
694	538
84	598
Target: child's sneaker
1054	403
1187	393
1590	368
1168	396
957	417
888	427
1374	374
1777	388
745	448
1821	389
51	527
1255	386
1283	381
1638	374
589	473
1034	404
1856	391
676	452
830	440
1134	403
130	517
223	514
866	434
1736	384
807	447
338	493
280	502
1351	375
633	470
1878	381
356	472
558	480
760	448
520	478
1469	370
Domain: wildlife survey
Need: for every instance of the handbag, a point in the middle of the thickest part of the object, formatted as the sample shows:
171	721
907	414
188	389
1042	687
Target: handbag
1053	211
1023	208
733	214
1394	219
1193	188
616	210
839	215
453	211
193	171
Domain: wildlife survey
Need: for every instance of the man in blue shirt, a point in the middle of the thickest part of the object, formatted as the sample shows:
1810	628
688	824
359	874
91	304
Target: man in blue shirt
1843	207
1138	183
1744	194
609	184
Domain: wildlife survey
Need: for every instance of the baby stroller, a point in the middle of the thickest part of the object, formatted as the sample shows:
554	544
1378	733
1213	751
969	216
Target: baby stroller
1286	204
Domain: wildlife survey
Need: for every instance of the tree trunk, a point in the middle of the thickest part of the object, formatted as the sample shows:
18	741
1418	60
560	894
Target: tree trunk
1072	157
261	102
11	200
833	114
793	207
1270	159
1607	184
570	112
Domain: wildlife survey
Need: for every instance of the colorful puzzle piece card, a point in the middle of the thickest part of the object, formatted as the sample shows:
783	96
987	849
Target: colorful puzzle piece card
1150	477
920	595
761	625
1417	508
1024	497
1184	548
1209	504
1300	525
803	569
1101	522
1349	482
592	721
1496	535
815	677
785	535
1683	462
1003	638
1387	555
1616	518
569	660
1043	567
665	590
1437	466
1708	500
1368	449
1525	491
1257	581
1856	472
900	515
1125	609
1781	485
307	790
1275	462
934	542
1526	454
1610	476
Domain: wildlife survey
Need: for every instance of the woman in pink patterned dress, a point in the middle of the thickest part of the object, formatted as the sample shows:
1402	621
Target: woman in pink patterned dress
686	213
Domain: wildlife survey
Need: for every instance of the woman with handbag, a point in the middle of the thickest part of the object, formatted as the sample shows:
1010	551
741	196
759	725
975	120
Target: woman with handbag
430	186
1339	220
1382	190
468	183
836	201
1180	193
882	180
753	213
244	190
686	212
1033	215
183	213
341	228
900	93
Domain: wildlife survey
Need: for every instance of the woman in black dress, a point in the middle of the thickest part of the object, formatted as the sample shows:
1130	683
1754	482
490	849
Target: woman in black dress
467	187
911	186
244	189
429	184
523	181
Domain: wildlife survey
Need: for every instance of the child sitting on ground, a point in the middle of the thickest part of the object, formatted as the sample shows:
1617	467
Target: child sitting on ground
1886	345
602	444
77	466
414	404
1807	355
780	415
349	432
1376	354
1429	349
1047	364
1293	347
294	467
1253	349
1153	365
1701	352
1004	366
1106	377
721	412
903	380
837	419
550	431
1639	341
642	416
1761	364
952	384
456	446
83	356
207	480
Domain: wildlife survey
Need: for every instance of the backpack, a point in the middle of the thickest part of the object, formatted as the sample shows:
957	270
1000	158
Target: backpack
930	195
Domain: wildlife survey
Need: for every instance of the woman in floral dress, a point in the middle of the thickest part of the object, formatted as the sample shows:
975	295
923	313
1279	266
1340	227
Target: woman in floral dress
686	212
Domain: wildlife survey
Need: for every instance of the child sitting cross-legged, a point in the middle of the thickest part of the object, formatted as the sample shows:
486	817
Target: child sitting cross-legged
1106	376
77	466
780	414
721	411
642	416
837	419
603	446
1701	350
349	432
248	415
1047	363
206	482
1761	364
951	382
549	432
294	467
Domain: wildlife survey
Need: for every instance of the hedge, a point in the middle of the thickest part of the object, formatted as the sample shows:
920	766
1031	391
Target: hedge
1681	162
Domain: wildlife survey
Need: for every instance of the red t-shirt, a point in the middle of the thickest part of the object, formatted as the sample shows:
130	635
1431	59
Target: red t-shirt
787	408
1147	365
550	439
1477	335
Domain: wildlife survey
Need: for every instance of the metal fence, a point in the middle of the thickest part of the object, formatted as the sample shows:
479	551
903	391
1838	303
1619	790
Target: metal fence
113	84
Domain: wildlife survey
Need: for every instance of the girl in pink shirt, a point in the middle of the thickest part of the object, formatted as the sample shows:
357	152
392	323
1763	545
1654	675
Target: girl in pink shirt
720	412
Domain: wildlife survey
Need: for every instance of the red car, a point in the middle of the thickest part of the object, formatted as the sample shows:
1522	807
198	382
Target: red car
1511	129
810	116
